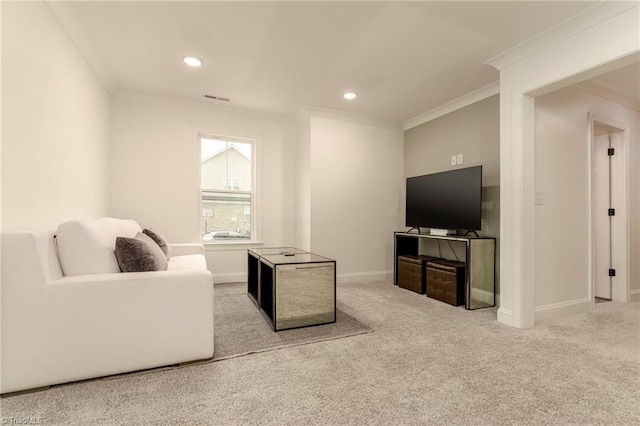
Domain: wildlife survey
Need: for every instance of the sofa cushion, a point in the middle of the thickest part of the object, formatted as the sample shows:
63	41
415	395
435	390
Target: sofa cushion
139	254
160	240
87	246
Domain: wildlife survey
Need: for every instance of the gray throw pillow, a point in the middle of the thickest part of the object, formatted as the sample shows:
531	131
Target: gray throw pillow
160	240
139	254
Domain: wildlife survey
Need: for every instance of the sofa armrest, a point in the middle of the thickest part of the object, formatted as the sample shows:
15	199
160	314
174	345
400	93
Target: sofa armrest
186	249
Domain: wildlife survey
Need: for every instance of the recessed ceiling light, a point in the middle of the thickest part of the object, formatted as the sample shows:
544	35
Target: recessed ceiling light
192	61
350	95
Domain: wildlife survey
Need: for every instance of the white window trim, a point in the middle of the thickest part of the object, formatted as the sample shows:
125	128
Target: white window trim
256	175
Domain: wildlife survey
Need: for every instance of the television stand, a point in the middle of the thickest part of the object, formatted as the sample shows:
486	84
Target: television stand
471	231
477	253
415	227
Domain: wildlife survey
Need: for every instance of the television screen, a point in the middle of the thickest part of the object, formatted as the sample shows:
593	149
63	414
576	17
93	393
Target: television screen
446	200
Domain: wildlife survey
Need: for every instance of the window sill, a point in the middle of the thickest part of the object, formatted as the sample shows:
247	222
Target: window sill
231	245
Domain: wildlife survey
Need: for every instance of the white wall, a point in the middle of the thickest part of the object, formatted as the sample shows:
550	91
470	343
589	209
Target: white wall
562	175
473	131
155	162
55	124
356	185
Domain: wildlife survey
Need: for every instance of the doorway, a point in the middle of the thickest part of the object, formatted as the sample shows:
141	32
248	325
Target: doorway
609	243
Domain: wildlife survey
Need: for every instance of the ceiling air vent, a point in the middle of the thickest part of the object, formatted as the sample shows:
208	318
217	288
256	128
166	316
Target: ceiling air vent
217	98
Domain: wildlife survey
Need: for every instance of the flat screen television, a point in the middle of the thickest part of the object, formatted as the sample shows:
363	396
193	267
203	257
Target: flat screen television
446	200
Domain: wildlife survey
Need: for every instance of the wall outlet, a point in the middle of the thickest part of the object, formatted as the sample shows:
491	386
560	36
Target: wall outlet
454	160
459	158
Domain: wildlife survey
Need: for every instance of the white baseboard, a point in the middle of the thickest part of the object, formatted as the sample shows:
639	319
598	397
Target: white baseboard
365	276
561	309
230	277
505	316
634	296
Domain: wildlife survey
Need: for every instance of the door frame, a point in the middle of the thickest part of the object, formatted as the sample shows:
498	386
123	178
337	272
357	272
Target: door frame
620	288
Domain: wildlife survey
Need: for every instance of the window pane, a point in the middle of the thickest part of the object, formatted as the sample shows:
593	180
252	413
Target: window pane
226	189
225	165
224	216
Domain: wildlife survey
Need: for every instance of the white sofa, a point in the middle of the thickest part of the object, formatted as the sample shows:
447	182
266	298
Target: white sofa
58	328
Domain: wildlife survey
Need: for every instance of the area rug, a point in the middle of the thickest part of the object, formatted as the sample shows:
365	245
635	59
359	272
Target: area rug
240	328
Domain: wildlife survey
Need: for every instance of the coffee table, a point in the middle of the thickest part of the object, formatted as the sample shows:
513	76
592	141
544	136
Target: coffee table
291	287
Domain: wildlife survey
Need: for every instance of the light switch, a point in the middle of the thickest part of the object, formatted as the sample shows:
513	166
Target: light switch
459	158
454	160
539	198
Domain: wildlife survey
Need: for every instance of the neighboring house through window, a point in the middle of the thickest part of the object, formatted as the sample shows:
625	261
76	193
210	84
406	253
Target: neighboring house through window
232	183
227	189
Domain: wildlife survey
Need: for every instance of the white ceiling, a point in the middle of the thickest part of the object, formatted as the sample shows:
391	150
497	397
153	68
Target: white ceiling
403	58
621	85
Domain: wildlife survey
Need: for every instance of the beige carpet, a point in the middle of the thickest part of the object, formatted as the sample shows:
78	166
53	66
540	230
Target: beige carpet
241	329
426	363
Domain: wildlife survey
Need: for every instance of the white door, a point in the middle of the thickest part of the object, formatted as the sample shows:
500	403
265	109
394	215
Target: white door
610	239
602	221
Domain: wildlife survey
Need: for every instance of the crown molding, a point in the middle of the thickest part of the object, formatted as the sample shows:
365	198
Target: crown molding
584	20
301	115
308	112
456	104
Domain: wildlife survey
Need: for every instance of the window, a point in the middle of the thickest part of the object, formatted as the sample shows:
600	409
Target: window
227	189
232	183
